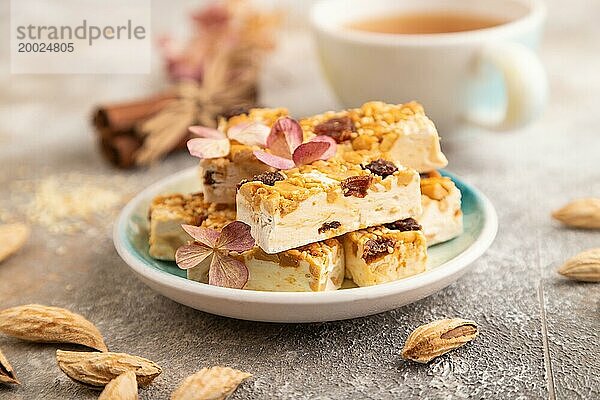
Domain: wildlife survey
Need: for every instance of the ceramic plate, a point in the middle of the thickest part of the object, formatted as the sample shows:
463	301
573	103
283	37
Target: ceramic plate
447	261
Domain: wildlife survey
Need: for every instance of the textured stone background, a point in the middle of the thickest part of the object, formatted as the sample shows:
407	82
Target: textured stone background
540	334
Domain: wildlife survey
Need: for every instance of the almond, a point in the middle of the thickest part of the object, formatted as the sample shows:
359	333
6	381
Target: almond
438	337
581	213
123	387
98	369
7	374
583	267
12	238
39	323
215	383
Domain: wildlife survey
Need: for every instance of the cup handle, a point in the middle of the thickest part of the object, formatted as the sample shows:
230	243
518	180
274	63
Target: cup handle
525	83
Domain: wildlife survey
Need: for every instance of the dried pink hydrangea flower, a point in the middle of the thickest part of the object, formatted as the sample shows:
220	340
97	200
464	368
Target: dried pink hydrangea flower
188	60
286	149
224	270
213	143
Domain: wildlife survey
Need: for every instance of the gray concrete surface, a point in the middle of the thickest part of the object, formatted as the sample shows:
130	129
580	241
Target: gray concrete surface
540	334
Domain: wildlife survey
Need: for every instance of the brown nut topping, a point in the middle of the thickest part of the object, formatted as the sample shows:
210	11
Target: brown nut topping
381	167
356	185
200	218
232	112
268	178
209	177
339	129
404	225
329	225
377	248
430	174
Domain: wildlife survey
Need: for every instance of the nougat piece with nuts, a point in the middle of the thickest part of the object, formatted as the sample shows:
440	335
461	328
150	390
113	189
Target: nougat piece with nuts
167	214
316	267
399	132
220	176
312	268
323	200
442	218
385	253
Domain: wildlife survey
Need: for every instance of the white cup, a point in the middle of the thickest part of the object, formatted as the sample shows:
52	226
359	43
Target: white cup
488	77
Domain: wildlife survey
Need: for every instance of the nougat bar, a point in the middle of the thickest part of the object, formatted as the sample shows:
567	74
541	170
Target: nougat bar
167	214
399	132
315	267
385	253
220	176
288	209
442	218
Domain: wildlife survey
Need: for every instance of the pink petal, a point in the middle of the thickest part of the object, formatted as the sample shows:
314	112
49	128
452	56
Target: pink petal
286	135
208	148
206	236
273	160
250	134
191	255
309	152
212	16
179	71
208	133
167	47
332	145
235	236
227	272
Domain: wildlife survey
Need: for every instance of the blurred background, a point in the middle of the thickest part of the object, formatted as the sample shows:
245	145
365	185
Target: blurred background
44	111
49	157
47	111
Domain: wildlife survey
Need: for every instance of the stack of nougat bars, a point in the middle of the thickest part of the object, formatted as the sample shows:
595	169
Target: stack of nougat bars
366	215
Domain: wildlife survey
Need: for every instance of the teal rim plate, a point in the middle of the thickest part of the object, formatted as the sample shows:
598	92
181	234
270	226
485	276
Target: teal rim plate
446	262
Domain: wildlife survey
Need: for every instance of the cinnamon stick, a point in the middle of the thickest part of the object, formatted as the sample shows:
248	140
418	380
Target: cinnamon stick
116	126
120	150
121	118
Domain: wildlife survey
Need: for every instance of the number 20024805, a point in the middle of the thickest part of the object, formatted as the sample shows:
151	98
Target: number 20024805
45	47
